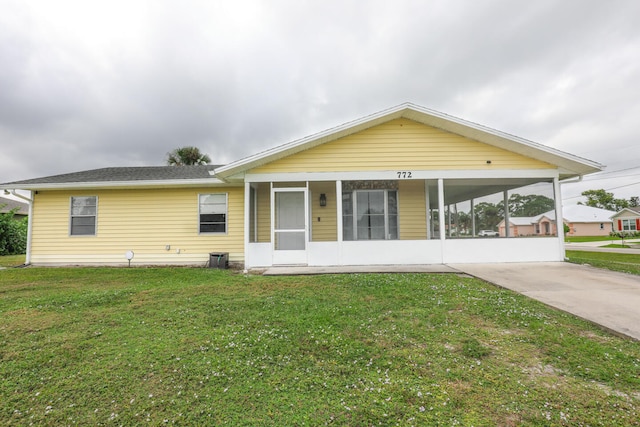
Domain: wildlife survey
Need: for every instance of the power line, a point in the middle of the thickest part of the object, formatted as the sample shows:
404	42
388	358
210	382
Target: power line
609	172
609	177
606	189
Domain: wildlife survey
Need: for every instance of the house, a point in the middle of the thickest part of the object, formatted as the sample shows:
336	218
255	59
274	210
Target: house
21	210
582	221
367	192
627	220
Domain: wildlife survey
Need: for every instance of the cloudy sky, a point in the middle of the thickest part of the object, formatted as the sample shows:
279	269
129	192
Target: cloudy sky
88	84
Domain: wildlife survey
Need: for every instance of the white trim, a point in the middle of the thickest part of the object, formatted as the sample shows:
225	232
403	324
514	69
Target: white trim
505	201
290	256
559	217
205	182
247	219
226	215
427	202
393	175
71	216
30	228
441	224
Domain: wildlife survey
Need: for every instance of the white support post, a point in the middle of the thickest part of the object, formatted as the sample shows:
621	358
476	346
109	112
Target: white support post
473	218
441	218
559	218
427	203
339	219
247	219
507	228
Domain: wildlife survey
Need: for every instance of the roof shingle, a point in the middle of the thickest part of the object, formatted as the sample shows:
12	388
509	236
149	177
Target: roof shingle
124	174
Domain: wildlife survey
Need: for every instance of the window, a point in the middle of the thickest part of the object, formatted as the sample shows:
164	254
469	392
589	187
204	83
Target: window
370	215
213	213
83	216
629	225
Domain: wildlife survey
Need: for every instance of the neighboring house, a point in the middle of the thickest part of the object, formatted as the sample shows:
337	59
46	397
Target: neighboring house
582	221
363	193
20	209
628	219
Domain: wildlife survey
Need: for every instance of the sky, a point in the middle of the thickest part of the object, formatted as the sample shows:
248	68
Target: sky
89	84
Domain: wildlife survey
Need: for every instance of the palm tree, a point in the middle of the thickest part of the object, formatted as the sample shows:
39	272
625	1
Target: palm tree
185	156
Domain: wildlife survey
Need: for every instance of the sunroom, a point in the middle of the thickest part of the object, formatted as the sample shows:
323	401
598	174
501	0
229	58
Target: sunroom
390	221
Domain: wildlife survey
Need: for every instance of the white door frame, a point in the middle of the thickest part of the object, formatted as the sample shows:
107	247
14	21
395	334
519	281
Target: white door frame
290	257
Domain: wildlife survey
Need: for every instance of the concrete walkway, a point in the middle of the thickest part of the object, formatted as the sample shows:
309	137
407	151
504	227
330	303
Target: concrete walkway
605	297
349	269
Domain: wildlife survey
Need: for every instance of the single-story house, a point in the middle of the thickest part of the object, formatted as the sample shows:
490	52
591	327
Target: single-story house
582	221
628	219
20	209
367	192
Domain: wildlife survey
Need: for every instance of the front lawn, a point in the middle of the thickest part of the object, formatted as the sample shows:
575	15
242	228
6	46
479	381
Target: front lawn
162	346
582	239
625	263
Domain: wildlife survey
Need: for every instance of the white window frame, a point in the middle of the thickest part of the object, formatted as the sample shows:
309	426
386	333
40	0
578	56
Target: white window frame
354	215
629	225
72	216
226	214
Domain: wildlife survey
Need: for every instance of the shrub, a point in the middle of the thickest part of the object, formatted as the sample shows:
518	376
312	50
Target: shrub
13	234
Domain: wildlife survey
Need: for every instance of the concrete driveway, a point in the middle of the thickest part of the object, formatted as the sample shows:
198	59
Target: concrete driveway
604	297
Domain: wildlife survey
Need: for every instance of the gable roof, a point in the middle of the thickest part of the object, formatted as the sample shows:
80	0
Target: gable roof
582	213
568	164
634	211
7	205
143	176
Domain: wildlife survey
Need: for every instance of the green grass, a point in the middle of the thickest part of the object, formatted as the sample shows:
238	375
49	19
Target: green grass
581	239
625	263
162	346
11	260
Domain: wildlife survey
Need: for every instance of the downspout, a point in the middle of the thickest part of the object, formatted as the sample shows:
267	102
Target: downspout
27	260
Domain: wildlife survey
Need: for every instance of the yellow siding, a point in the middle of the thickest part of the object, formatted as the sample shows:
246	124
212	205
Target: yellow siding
263	194
324	223
412	210
144	221
401	144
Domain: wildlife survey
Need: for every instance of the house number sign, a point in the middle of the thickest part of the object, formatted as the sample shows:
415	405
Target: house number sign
404	174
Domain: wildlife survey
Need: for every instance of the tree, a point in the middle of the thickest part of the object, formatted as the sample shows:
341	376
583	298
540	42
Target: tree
603	200
634	202
185	156
529	205
488	216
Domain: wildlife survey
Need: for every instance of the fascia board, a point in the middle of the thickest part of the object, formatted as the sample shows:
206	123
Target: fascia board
119	184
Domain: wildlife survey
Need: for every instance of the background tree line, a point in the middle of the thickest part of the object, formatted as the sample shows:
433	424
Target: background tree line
604	200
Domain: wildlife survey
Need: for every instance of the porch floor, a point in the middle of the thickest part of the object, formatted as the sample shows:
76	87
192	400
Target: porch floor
295	270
